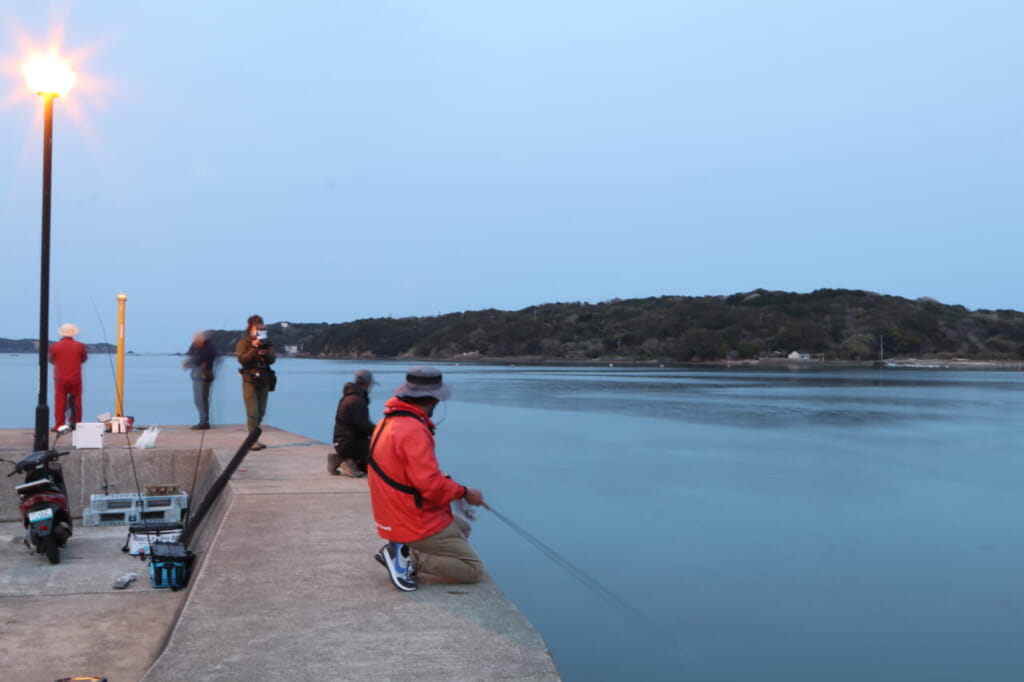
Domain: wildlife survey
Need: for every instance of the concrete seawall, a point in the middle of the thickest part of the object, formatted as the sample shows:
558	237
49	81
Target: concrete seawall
285	586
110	471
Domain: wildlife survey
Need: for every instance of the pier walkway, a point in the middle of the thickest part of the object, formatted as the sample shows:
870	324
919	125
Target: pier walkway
286	589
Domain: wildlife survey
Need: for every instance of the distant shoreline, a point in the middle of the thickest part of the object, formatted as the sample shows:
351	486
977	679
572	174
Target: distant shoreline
894	363
763	363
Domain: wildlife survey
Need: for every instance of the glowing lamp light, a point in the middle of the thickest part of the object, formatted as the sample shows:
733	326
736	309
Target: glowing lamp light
46	74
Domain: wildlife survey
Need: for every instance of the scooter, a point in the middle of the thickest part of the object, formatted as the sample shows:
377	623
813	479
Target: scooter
44	501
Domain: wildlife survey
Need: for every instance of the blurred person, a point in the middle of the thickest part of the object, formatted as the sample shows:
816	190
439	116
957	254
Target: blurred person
255	353
201	358
67	356
352	428
411	497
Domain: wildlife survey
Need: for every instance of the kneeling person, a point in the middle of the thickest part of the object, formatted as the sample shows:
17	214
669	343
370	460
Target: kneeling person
410	495
352	428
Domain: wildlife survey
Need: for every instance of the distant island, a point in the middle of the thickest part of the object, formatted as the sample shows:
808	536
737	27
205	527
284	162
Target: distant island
826	325
838	325
32	346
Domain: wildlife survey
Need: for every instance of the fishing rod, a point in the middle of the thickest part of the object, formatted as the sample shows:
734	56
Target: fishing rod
584	578
127	439
131	454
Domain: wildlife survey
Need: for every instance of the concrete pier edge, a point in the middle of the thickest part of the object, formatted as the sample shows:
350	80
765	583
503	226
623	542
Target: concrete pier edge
285	586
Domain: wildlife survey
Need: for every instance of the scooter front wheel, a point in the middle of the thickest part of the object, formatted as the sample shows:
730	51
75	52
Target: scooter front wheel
52	550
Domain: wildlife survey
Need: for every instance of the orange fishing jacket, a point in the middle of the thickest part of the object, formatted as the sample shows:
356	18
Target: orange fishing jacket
411	497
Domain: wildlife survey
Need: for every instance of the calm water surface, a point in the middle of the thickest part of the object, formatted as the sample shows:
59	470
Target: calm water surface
769	525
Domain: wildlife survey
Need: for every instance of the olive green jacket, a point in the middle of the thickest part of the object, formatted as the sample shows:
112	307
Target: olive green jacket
248	357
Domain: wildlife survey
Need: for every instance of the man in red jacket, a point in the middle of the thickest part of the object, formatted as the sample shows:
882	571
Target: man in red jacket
67	356
410	495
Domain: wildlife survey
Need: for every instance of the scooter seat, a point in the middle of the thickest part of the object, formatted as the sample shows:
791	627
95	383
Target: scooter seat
34	487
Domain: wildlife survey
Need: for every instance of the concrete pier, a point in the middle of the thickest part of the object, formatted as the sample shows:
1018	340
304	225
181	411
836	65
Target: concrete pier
285	586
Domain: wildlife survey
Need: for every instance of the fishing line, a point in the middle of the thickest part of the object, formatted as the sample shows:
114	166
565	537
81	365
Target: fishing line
438	422
103	330
583	577
113	373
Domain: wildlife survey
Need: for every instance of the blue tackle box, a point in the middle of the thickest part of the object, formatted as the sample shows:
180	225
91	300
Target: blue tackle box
169	564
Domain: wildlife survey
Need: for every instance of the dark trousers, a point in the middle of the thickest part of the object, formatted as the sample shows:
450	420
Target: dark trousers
335	457
201	395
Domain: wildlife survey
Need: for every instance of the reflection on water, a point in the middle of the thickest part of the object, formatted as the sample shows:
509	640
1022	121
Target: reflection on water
746	399
840	525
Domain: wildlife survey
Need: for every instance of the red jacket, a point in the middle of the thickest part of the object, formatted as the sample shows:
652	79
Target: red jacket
67	356
403	448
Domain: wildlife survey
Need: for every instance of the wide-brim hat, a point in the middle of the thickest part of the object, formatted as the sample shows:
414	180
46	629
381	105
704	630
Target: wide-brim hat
68	329
423	381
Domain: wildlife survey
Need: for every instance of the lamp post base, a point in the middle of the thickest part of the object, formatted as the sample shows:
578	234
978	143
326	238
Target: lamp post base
42	440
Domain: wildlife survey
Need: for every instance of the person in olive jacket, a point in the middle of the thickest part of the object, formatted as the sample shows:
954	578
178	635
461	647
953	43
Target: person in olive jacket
255	354
352	428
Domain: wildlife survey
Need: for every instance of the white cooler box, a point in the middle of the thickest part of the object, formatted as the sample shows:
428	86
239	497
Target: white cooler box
88	435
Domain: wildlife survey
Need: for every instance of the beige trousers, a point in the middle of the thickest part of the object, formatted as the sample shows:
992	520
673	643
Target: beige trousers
448	555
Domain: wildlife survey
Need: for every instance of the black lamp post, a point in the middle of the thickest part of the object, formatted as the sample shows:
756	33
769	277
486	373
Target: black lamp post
50	78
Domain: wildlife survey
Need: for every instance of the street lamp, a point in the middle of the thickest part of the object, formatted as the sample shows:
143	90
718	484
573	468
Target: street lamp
49	77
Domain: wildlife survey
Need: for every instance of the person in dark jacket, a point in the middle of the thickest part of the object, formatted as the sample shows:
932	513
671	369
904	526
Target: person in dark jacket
352	428
201	358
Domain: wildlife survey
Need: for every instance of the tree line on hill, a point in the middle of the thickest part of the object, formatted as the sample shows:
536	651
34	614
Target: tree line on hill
32	346
833	324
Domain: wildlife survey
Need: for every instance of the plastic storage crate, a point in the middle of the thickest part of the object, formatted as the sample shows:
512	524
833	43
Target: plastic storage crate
121	509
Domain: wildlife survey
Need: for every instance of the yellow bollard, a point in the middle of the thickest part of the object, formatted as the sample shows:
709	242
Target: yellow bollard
119	401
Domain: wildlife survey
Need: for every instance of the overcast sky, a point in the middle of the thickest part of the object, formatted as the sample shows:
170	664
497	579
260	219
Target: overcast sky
329	161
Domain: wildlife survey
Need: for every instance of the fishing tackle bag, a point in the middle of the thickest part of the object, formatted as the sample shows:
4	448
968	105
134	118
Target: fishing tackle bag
169	565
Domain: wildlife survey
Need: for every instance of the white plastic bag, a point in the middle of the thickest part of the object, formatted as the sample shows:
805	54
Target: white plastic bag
148	438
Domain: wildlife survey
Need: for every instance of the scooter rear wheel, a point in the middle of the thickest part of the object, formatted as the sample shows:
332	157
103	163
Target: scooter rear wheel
52	550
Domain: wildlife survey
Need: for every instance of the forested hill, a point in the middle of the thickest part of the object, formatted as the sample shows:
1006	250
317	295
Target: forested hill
835	324
32	346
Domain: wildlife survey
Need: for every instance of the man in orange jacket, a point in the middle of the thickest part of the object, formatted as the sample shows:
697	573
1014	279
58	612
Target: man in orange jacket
412	498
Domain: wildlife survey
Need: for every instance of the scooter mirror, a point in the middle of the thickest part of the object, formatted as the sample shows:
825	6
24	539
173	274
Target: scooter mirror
61	430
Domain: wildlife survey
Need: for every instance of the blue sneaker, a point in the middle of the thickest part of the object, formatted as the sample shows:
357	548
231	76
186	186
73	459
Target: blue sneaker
394	556
380	557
